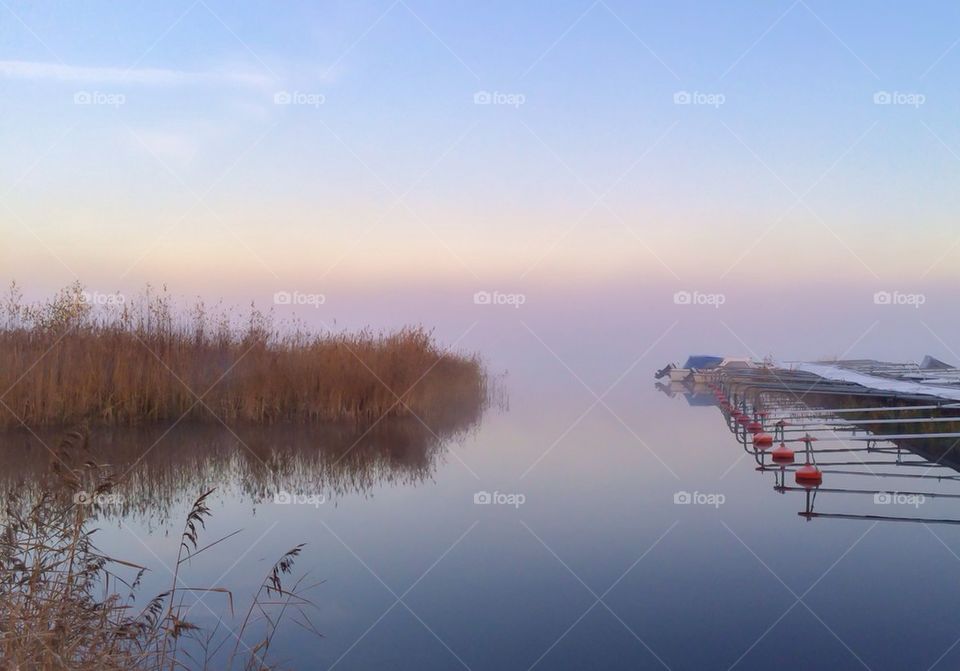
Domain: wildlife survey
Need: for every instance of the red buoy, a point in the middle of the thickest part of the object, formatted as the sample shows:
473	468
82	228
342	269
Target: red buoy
808	476
762	440
743	419
754	427
783	454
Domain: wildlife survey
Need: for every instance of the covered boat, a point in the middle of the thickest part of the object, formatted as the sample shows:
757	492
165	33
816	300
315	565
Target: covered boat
694	363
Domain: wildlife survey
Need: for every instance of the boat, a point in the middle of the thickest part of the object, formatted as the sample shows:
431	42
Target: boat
929	378
673	373
699	367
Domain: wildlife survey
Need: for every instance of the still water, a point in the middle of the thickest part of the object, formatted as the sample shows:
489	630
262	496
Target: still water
582	558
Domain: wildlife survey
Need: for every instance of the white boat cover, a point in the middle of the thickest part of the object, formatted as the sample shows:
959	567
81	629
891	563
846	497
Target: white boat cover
874	382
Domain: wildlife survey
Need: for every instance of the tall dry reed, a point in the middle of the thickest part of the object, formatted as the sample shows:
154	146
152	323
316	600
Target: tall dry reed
65	361
66	605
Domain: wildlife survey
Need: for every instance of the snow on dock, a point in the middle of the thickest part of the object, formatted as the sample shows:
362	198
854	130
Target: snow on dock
907	380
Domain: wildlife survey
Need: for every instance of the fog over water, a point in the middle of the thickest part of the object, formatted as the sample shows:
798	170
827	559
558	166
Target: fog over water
497	585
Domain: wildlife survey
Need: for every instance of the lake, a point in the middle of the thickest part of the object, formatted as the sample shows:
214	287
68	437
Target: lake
546	533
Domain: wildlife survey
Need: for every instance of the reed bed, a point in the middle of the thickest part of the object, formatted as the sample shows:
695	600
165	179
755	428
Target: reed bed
64	604
66	360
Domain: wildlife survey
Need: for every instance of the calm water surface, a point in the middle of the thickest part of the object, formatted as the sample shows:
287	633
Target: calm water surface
596	568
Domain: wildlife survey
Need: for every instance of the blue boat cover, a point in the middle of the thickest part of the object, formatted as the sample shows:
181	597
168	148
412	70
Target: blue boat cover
703	361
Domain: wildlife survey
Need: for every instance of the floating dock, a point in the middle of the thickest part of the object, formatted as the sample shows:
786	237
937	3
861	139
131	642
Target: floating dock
825	421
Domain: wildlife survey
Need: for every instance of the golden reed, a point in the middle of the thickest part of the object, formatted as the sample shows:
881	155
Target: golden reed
66	606
66	360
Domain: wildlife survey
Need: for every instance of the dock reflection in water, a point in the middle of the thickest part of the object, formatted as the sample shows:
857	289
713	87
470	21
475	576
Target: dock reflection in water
862	456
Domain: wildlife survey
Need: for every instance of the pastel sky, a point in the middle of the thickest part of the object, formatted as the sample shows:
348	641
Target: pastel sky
212	144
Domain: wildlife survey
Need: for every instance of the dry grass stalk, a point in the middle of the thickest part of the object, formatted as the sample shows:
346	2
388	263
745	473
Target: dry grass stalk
65	361
61	605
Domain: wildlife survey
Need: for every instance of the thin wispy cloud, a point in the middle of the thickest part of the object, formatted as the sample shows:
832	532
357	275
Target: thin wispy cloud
82	74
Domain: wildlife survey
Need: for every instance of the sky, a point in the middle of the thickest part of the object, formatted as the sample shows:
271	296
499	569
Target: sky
580	190
242	149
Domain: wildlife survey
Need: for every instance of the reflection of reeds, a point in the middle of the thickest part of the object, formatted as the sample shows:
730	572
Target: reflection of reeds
247	463
64	361
60	607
